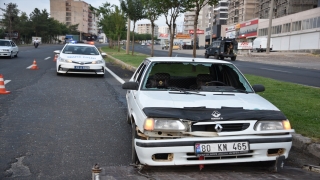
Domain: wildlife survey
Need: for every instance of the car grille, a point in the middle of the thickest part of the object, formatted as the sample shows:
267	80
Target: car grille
81	62
225	127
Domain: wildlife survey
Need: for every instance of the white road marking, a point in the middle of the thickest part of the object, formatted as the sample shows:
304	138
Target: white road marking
115	76
47	58
275	70
29	67
6	81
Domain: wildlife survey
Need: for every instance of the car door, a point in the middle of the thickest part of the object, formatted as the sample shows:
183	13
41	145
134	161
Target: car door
14	48
132	95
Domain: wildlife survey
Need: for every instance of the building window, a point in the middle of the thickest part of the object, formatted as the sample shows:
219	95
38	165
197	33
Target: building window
286	27
318	22
296	26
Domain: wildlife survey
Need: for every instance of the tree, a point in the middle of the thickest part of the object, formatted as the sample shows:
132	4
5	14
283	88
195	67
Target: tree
153	11
171	10
196	6
134	9
10	18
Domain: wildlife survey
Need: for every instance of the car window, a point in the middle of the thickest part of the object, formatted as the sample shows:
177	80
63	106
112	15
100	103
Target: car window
195	76
84	50
4	43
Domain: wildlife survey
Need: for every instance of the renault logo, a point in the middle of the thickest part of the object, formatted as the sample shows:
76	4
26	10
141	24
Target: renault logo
215	114
218	128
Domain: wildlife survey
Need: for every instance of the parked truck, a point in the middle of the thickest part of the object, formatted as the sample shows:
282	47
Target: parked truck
260	44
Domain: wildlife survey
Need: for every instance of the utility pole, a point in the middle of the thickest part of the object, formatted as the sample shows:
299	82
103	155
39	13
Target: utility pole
211	18
128	36
270	27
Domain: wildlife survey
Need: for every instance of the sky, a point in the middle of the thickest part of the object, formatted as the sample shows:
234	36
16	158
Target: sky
29	5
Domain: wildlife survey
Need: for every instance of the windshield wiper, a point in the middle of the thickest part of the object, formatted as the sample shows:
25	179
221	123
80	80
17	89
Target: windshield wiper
243	91
183	91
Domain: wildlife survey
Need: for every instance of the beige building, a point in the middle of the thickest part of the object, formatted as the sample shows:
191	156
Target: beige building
241	10
147	29
73	12
283	7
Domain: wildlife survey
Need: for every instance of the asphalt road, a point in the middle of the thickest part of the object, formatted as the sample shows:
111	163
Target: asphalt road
296	68
58	127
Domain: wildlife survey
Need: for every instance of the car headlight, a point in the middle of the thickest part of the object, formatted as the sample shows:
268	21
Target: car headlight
272	125
98	62
65	60
163	125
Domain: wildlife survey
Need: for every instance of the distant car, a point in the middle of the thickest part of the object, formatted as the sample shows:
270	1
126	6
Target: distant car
8	48
143	44
197	111
81	59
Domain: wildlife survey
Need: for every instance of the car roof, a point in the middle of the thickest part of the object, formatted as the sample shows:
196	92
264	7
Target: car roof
185	59
80	44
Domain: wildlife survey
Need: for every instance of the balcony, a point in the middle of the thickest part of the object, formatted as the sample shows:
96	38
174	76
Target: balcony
68	9
68	19
68	4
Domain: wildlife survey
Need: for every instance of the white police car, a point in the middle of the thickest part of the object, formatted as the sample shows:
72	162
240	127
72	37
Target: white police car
8	48
196	111
81	59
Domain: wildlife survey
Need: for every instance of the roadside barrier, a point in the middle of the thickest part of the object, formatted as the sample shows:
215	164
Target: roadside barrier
2	87
34	65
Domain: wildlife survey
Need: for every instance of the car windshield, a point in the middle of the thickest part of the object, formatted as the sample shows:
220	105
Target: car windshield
85	50
185	76
4	43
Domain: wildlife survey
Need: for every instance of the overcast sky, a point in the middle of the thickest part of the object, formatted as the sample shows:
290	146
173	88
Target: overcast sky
29	5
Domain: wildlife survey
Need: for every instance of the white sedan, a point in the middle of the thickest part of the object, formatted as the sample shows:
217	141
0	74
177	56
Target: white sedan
8	48
81	59
196	111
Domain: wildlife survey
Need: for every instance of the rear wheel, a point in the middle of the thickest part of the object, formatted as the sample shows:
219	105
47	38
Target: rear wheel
135	159
233	58
206	55
216	56
221	57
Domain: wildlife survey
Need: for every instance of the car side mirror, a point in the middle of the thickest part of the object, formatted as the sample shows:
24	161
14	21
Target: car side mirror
57	51
104	54
258	88
130	85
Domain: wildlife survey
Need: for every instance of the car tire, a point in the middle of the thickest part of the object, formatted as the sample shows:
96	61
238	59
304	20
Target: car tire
135	159
101	75
216	56
221	57
11	55
206	56
16	54
128	118
233	58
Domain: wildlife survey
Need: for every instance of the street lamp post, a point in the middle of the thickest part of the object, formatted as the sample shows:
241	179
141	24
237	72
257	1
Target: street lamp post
270	26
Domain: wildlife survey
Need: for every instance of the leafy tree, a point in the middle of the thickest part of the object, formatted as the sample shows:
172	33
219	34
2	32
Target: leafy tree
171	10
153	12
10	19
134	9
196	6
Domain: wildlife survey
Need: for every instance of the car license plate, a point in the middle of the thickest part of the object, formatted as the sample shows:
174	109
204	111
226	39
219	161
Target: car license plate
218	149
82	67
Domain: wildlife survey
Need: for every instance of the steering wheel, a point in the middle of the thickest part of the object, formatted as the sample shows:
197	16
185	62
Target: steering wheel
218	82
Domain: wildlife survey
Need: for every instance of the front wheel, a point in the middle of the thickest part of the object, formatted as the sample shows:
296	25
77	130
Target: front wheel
135	159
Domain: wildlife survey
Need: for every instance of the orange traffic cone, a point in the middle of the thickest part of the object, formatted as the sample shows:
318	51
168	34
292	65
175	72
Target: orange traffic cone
2	88
34	65
55	58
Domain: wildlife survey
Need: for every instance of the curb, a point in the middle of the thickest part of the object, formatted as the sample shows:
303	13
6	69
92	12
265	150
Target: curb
304	144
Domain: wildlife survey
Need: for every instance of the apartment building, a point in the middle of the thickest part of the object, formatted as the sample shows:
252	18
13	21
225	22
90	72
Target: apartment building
241	10
73	12
283	7
147	29
189	18
164	29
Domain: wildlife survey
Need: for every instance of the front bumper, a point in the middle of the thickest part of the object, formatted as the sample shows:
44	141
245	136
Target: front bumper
70	68
181	151
5	53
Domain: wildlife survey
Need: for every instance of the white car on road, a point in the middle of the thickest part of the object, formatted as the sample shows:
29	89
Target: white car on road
80	58
196	111
8	48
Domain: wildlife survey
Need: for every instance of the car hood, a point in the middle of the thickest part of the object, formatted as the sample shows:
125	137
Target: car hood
249	101
80	57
